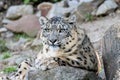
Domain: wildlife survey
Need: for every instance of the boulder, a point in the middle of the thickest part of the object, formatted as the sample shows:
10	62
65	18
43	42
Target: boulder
84	10
28	24
7	34
17	11
62	73
89	8
16	46
62	8
44	8
111	52
106	7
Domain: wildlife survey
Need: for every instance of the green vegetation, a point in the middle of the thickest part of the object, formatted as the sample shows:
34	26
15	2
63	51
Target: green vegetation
88	17
21	36
9	69
38	1
6	55
28	1
2	46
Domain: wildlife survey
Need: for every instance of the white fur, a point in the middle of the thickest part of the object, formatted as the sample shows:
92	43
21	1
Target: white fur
53	51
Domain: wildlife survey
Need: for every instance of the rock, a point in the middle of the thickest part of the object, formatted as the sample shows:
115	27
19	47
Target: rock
7	34
57	9
63	8
28	24
117	1
2	14
111	52
26	54
44	8
15	12
86	9
96	29
3	30
106	6
20	58
19	45
77	2
118	11
83	10
74	4
1	5
68	7
6	21
10	61
62	73
71	3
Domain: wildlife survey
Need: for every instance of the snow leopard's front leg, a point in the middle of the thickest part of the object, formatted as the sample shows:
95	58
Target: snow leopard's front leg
21	72
46	63
23	69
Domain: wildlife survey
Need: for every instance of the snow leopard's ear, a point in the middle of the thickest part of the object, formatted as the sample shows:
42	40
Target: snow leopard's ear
72	19
43	20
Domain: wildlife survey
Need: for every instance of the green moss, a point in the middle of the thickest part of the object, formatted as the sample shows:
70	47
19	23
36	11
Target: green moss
9	69
6	55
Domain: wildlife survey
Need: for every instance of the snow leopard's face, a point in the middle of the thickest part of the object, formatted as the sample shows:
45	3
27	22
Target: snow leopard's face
57	31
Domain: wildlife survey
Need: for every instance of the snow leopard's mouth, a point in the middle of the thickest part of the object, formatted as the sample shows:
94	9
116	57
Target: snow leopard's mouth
54	45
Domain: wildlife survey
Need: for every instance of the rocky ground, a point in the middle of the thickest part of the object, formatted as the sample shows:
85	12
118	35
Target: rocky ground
19	26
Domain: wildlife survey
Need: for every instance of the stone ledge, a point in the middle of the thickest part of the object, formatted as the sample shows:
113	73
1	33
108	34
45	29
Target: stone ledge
63	73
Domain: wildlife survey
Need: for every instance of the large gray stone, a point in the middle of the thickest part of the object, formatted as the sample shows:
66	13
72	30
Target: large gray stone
28	24
111	52
106	7
11	45
18	11
83	11
63	73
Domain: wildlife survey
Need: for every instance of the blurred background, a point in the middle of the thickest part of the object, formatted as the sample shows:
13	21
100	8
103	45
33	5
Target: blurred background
19	25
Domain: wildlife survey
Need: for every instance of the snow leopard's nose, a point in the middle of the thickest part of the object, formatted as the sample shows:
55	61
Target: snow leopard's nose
53	41
53	38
